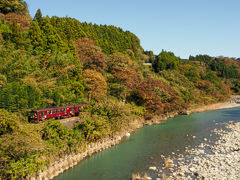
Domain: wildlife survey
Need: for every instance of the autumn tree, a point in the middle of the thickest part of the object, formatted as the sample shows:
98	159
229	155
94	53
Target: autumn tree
22	20
157	96
95	84
90	55
121	60
125	76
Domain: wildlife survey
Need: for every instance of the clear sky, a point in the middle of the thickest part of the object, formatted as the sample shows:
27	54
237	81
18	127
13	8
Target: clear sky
186	27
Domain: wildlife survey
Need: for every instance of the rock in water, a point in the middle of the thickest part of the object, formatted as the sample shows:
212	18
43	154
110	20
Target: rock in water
153	168
128	134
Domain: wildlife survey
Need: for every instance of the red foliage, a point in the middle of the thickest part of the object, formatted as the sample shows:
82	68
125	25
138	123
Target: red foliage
148	93
17	18
90	55
126	76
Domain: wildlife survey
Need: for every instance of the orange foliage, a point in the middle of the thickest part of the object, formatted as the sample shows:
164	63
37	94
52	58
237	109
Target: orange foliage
2	16
90	55
17	18
95	84
126	76
226	89
149	91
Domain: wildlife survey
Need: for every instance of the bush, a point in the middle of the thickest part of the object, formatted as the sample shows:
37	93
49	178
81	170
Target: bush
62	138
117	115
8	122
93	127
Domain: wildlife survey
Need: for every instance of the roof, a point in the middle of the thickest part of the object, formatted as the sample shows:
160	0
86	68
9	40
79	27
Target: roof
55	108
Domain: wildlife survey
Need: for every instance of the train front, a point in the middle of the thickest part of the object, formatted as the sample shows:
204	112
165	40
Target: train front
33	117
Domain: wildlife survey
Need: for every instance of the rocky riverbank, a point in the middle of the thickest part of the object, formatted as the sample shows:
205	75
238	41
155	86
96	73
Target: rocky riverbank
69	161
218	161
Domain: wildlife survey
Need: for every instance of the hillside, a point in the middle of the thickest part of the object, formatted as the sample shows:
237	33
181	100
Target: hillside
53	61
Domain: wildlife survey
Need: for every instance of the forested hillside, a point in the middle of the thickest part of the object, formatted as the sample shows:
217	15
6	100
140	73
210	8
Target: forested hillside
53	61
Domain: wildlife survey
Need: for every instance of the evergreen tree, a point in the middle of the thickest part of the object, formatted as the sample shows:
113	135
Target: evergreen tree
165	60
36	36
38	17
16	35
51	37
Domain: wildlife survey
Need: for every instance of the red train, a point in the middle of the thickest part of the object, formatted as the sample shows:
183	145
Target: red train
55	112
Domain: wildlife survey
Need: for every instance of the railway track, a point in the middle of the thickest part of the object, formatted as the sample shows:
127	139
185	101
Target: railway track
69	122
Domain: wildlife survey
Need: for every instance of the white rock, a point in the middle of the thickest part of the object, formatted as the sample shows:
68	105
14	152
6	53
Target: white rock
153	168
192	169
128	134
181	174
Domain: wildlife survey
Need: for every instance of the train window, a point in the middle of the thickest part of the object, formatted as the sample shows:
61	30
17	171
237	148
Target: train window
54	112
65	110
42	113
50	112
58	111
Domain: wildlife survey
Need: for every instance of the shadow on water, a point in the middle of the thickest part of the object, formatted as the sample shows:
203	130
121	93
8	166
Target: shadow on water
145	147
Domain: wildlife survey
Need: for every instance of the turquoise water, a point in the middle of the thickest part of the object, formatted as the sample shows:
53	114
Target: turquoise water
145	147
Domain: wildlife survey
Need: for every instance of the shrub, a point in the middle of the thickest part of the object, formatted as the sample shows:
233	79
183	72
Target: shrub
93	127
8	122
64	139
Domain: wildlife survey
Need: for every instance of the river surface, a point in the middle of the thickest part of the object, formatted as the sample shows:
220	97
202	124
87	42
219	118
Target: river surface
145	147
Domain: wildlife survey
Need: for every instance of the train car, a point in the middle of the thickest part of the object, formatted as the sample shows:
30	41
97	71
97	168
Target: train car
55	112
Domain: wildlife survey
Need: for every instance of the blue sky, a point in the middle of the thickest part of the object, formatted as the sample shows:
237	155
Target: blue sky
185	27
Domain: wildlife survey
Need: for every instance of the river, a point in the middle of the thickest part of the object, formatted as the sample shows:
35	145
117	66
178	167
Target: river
145	147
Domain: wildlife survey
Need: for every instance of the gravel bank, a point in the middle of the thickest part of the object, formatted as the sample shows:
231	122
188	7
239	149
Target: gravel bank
218	161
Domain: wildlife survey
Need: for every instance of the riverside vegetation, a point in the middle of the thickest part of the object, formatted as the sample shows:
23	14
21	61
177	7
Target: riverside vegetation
53	61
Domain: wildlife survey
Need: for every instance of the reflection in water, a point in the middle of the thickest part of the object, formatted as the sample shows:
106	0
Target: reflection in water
145	147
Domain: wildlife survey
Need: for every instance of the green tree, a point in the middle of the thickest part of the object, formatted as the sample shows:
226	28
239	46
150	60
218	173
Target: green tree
38	17
165	60
16	35
36	36
52	39
15	6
